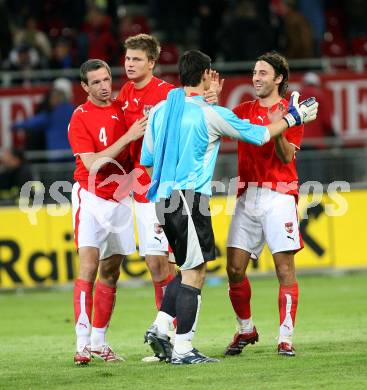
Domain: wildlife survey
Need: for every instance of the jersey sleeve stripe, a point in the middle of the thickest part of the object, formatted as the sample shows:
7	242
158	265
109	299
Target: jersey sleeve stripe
297	147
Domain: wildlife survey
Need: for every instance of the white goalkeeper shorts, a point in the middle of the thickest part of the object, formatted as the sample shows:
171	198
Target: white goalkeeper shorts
103	224
263	215
152	240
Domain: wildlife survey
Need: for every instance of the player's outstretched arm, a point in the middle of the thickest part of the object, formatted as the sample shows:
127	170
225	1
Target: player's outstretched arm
223	122
135	132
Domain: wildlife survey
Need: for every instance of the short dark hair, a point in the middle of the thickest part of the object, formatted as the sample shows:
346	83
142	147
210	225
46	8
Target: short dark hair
146	43
89	66
191	67
280	66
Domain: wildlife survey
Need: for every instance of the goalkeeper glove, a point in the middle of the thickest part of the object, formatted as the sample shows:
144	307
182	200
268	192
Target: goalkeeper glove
303	112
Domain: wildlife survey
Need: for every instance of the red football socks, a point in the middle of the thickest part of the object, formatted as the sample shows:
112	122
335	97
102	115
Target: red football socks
288	301
83	298
160	288
104	301
240	296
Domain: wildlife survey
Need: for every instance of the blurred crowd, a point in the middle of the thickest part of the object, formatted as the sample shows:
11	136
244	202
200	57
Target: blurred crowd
46	129
38	34
14	172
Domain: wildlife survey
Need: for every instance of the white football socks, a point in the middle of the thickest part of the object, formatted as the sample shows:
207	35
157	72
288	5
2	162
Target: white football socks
98	337
286	328
183	343
163	322
82	326
245	326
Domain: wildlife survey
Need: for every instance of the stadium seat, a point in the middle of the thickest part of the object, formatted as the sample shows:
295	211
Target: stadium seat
132	25
335	22
334	46
359	46
140	25
169	54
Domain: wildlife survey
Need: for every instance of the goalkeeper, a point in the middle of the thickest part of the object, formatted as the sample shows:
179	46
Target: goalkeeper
266	209
181	144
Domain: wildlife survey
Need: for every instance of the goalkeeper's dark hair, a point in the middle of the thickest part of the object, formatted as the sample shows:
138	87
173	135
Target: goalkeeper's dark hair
91	65
280	66
191	67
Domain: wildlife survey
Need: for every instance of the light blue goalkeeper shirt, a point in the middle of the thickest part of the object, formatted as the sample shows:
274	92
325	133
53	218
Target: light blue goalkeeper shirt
185	159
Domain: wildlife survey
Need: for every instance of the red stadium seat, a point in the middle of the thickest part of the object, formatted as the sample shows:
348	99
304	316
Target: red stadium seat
140	25
334	46
359	46
169	54
335	22
132	25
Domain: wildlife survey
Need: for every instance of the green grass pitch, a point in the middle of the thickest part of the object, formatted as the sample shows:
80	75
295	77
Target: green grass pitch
37	341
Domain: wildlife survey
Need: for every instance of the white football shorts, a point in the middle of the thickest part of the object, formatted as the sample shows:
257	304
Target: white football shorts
103	224
263	215
152	240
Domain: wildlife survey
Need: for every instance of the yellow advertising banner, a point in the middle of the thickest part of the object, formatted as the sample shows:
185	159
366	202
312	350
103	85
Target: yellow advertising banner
39	250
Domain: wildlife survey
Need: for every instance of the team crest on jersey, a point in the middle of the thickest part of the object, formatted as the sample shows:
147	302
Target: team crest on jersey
158	228
146	110
289	227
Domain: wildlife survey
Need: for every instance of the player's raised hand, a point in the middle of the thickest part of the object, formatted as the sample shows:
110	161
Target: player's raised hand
137	128
303	112
216	85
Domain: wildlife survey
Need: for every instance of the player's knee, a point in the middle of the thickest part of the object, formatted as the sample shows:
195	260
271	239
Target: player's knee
88	272
109	273
110	278
158	267
235	273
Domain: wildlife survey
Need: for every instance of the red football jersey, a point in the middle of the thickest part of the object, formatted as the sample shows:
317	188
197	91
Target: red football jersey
135	103
261	165
92	129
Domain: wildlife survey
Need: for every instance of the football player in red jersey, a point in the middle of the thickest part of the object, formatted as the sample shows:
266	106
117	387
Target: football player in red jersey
137	96
99	138
266	209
